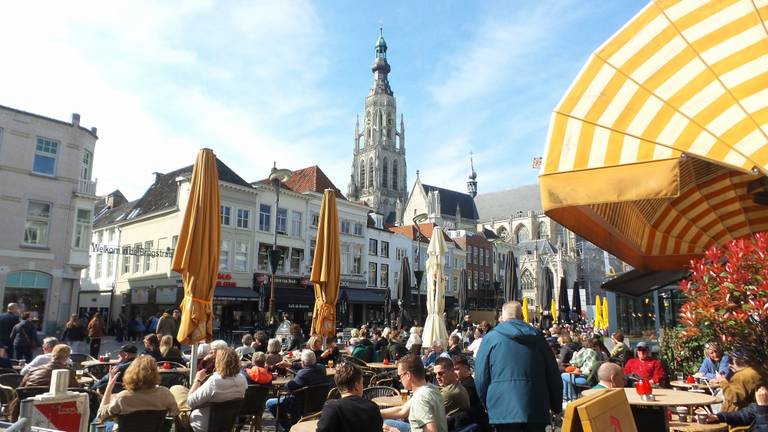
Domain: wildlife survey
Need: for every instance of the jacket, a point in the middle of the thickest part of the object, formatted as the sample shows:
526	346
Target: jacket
39	376
121	367
754	415
76	333
649	369
308	376
516	375
24	335
363	350
96	328
258	375
166	326
586	359
709	368
740	390
7	322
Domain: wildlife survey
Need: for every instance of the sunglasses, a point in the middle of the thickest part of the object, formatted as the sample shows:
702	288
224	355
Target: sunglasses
400	376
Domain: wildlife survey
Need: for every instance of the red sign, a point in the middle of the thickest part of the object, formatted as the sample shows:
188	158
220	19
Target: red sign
63	416
224	276
225	280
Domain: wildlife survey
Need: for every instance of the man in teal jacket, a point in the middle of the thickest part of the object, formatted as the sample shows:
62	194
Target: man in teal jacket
516	375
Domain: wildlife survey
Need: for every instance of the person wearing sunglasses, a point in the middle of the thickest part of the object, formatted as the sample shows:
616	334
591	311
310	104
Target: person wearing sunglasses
424	411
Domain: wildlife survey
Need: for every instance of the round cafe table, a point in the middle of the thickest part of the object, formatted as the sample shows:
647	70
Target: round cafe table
89	363
676	426
380	365
664	397
388	401
306	426
698	385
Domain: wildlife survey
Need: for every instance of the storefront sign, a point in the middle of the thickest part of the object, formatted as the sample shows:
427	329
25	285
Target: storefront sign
298	306
225	280
264	279
166	295
140	295
128	250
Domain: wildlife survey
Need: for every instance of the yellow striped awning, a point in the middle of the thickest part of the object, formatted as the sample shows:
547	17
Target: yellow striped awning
651	151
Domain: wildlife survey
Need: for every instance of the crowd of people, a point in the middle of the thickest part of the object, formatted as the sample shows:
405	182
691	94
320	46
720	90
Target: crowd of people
507	377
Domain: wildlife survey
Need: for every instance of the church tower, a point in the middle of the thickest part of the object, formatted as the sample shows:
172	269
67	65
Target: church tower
378	163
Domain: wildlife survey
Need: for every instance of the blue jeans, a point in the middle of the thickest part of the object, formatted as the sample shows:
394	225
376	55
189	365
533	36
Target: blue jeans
285	405
400	425
569	391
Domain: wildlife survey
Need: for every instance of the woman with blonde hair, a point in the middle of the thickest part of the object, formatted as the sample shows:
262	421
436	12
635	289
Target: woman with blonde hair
226	383
170	352
142	392
74	333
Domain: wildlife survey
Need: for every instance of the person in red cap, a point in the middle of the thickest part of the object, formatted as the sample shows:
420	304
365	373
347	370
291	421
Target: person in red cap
645	366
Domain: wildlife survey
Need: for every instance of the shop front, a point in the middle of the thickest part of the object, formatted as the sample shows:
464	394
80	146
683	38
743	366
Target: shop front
144	301
29	289
295	298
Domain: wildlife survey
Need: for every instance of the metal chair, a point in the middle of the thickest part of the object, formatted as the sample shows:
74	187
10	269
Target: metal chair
374	392
98	370
11	380
334	394
306	400
78	358
6	396
170	379
7	371
256	396
142	421
357	362
223	415
310	417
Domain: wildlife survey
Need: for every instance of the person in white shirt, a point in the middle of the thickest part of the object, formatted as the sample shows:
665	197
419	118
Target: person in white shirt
44	358
246	348
226	383
475	345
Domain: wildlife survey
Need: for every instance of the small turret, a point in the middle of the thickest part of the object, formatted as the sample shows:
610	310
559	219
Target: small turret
472	182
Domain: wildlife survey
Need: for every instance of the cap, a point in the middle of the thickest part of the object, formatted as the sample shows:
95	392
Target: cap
128	349
642	345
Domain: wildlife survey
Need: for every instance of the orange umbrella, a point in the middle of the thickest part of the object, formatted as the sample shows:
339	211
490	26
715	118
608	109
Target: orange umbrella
197	251
326	268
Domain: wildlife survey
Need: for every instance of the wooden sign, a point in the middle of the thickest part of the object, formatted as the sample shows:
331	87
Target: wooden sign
606	411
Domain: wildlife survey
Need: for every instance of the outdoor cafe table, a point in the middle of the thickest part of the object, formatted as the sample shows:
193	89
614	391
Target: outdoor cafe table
665	397
89	363
379	365
676	426
388	401
307	426
697	385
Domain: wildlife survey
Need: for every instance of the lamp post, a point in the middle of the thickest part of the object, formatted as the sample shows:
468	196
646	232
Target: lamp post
418	273
276	176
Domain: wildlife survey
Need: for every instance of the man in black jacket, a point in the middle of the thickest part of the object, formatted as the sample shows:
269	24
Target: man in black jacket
310	374
126	354
351	413
7	321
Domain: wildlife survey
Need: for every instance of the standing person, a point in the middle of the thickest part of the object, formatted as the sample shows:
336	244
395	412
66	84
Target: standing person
176	324
516	375
74	333
151	326
424	410
119	325
165	325
7	320
96	331
350	413
24	337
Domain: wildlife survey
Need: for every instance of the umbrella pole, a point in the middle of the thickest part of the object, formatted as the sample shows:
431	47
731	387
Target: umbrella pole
193	363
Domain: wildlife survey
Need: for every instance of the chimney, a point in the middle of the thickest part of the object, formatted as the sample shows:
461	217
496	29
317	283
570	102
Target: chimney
157	176
75	119
93	130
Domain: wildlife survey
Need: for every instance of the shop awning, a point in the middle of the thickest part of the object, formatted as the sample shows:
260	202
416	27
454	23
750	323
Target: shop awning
659	149
365	296
296	297
235	293
637	282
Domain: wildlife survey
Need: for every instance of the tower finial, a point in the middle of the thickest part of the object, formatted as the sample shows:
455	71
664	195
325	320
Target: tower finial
472	181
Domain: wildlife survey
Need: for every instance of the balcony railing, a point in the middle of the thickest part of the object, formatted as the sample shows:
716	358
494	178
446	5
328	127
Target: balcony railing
86	187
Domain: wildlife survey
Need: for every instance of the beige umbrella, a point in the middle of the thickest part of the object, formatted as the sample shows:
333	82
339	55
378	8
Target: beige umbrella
434	326
326	269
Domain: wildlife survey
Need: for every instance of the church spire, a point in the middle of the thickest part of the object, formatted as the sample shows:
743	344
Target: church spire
380	67
472	178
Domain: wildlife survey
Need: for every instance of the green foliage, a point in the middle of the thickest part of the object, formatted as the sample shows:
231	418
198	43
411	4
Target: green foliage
682	353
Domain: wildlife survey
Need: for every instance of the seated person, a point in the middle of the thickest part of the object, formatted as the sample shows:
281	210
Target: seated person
126	354
714	363
273	354
620	351
582	364
41	375
433	353
223	385
454	345
152	346
754	415
396	347
5	362
258	373
363	349
170	352
208	362
476	409
609	375
310	374
142	392
380	340
351	413
567	349
44	358
246	348
739	391
455	396
424	411
644	366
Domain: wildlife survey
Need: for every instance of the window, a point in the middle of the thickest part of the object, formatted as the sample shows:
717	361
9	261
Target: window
370	173
85	165
357	260
241	257
281	265
394	174
345	225
297	256
526	281
362	173
476	275
36	225
469	254
147	262
482	257
243	218
126	263
315	219
82	229
372	274
136	258
45	156
28	279
477	256
384	283
522	234
296	223
99	269
110	235
110	264
265	212
399	254
358	229
346	254
224	256
385	174
543	230
281	221
373	247
264	249
385	249
226	213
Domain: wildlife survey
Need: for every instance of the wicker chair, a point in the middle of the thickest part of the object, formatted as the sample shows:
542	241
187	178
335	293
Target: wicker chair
312	398
310	417
374	392
256	396
357	362
170	379
223	415
11	380
142	421
334	393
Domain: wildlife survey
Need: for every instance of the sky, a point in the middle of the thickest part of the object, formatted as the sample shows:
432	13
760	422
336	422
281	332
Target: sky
282	81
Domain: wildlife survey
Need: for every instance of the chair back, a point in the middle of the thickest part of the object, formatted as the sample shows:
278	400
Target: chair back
7	371
170	379
378	391
357	362
255	399
334	393
98	370
11	380
31	391
314	398
142	421
223	415
78	358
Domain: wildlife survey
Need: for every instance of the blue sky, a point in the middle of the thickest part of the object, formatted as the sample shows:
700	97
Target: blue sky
283	80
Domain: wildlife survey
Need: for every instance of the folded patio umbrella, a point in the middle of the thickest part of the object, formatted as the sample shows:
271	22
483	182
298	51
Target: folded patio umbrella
564	309
434	326
326	268
404	292
576	315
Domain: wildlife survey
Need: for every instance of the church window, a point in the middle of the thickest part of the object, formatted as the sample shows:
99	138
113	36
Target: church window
394	174
385	173
370	173
526	281
362	173
543	230
522	234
